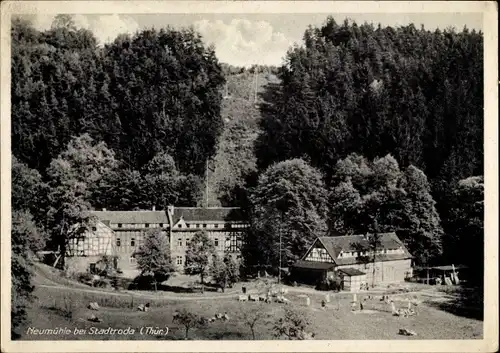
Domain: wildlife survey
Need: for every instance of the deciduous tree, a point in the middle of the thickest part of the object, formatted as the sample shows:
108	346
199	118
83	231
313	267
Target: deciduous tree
199	255
153	257
288	204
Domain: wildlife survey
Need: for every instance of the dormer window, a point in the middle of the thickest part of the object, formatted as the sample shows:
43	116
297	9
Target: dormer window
160	225
146	225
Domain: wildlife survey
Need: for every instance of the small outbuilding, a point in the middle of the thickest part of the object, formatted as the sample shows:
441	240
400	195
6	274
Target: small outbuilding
352	278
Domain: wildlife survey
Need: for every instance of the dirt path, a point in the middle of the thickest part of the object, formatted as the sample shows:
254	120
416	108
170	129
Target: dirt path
168	296
43	281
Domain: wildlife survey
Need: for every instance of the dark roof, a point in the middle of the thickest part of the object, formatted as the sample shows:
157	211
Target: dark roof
200	214
313	265
381	257
350	243
132	216
352	271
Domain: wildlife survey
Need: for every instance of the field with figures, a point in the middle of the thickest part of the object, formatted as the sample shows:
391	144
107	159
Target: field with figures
381	314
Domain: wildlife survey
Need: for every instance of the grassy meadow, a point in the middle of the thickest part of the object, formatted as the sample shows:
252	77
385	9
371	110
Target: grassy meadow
57	307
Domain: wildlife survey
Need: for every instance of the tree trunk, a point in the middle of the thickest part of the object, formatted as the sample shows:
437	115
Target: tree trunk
373	272
187	333
253	333
156	288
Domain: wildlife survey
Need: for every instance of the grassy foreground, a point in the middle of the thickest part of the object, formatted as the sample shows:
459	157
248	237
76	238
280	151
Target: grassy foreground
66	308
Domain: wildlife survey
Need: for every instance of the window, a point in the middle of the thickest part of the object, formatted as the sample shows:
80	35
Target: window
204	225
160	225
132	242
216	241
146	225
187	225
94	229
118	242
132	260
216	225
120	225
179	260
179	242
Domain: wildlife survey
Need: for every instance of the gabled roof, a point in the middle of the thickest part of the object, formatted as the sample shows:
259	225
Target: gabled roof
216	214
352	243
352	271
132	216
313	265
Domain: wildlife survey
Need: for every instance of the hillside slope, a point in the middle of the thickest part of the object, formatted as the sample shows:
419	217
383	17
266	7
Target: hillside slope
235	157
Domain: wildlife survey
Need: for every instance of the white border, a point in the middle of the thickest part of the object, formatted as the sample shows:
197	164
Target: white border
490	17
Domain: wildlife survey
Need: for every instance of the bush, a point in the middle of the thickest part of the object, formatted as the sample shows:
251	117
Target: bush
84	277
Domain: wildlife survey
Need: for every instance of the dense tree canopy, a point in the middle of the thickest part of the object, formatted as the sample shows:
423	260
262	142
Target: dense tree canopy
289	202
410	92
155	91
464	242
376	196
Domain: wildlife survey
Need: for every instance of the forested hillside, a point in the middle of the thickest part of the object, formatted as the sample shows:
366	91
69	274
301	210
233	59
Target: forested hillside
159	109
153	92
413	93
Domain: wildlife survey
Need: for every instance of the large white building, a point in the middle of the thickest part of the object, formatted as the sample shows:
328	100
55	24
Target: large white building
121	233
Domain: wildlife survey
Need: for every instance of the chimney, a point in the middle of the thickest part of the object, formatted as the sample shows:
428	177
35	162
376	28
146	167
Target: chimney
104	209
154	208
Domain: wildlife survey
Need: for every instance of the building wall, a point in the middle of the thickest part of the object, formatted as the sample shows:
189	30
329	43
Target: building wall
80	264
97	241
353	283
385	272
318	253
226	242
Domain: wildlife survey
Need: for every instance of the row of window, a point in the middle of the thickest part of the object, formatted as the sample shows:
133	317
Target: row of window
138	225
181	243
232	246
119	242
366	253
212	225
161	225
179	260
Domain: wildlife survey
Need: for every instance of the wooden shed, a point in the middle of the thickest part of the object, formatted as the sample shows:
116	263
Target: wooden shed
352	279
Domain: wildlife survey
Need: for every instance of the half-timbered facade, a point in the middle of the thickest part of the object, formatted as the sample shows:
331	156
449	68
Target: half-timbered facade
342	257
121	233
223	225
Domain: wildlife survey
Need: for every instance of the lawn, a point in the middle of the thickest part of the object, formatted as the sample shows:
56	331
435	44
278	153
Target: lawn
67	308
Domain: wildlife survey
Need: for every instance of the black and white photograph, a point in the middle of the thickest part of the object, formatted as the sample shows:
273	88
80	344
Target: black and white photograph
226	172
